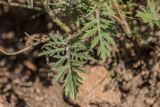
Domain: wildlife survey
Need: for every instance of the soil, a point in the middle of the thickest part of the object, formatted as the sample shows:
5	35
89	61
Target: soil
134	80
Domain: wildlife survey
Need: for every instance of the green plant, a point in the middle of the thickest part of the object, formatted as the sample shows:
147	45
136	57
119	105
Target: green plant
86	27
151	14
70	51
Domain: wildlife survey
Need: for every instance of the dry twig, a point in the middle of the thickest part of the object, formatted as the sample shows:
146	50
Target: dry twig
20	5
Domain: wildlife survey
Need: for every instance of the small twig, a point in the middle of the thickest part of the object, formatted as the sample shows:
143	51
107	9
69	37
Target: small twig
121	18
21	5
31	37
20	51
56	20
24	49
17	52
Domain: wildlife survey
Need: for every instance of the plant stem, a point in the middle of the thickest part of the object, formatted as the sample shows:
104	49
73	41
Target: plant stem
56	20
24	49
121	18
21	5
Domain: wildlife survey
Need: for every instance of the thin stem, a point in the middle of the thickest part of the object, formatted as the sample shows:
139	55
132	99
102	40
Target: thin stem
21	5
17	52
54	18
97	19
121	18
24	49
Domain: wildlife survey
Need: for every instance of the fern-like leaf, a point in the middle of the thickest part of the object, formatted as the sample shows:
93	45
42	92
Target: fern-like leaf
150	15
97	30
66	59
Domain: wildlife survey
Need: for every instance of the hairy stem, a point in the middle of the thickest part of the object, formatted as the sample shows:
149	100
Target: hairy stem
121	18
56	20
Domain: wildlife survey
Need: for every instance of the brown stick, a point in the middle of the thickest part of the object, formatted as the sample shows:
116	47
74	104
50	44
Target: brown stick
24	49
17	52
121	18
55	19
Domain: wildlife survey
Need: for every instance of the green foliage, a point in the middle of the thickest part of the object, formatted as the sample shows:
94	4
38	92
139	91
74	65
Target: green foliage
69	51
67	55
98	30
86	26
97	27
151	14
66	60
